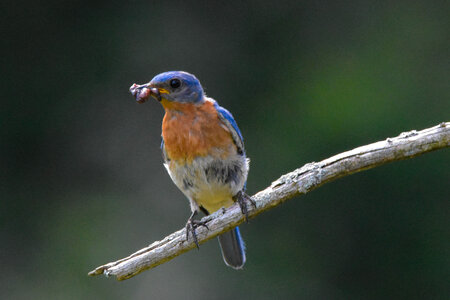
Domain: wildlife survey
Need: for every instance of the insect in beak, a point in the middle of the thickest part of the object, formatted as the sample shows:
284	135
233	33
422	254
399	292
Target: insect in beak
143	92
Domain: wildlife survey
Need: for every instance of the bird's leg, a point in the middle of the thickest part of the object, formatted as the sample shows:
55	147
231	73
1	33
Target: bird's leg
191	225
241	197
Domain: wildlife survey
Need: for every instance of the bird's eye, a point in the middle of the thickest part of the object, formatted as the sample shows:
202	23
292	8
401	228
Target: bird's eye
175	83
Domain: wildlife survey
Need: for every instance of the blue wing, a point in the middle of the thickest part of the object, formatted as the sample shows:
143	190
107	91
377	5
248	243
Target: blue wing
226	117
163	150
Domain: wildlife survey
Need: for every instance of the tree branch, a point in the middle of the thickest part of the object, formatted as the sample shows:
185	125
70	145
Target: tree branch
301	181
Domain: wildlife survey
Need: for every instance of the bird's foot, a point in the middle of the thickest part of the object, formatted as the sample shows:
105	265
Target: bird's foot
241	197
192	225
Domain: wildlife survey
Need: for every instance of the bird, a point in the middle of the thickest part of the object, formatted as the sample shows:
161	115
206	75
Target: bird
203	152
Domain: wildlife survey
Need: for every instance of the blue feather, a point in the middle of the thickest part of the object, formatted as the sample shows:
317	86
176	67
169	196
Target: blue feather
229	117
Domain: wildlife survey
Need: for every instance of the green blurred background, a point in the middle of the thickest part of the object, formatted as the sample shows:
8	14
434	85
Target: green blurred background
82	181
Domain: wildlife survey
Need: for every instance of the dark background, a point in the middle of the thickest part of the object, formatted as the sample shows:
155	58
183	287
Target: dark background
82	181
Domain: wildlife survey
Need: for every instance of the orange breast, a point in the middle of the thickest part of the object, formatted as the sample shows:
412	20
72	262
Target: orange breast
191	130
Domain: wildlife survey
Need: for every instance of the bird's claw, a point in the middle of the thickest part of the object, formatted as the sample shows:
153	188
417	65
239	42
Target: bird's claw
242	198
191	226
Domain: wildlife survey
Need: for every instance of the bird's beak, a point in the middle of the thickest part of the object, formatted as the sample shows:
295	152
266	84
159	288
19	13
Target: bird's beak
155	93
144	91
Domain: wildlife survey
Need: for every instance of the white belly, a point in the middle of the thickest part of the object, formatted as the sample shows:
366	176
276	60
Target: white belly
210	182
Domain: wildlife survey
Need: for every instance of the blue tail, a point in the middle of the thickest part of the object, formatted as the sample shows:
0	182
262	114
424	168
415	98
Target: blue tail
233	248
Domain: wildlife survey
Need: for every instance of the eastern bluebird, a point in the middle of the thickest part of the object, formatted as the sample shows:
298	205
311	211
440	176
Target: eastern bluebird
203	152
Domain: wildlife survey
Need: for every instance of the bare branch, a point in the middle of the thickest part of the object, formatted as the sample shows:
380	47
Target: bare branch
305	179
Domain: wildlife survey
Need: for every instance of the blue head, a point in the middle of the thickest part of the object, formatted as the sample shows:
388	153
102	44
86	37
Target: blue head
178	86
